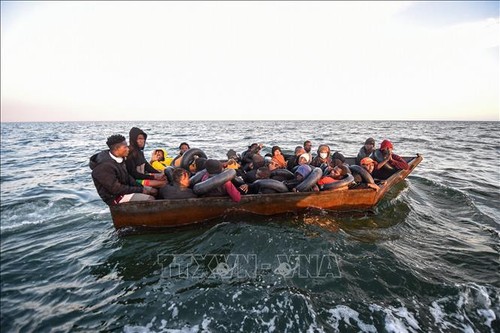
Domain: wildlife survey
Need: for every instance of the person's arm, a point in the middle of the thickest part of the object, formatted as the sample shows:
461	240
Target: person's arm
131	168
232	191
106	175
399	163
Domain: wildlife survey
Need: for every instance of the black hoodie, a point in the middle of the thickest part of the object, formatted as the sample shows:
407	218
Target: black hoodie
111	178
136	158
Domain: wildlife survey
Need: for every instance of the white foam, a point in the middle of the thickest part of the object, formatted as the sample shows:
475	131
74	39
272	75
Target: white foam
345	313
237	294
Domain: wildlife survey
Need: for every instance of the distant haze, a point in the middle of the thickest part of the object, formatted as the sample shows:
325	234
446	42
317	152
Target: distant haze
70	61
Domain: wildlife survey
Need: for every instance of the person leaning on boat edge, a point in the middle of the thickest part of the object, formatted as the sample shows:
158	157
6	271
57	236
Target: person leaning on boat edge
179	189
385	157
111	179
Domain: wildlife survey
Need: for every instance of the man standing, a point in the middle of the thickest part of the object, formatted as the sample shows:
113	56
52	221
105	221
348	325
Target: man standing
111	179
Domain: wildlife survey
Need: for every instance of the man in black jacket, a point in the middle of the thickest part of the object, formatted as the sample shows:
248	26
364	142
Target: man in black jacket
111	179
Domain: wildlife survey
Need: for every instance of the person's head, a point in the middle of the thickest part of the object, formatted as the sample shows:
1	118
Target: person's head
180	177
255	147
263	173
303	159
272	165
302	172
307	146
257	161
323	151
338	172
213	166
276	150
118	145
386	147
338	159
200	163
299	150
368	164
183	147
370	144
137	138
160	156
231	154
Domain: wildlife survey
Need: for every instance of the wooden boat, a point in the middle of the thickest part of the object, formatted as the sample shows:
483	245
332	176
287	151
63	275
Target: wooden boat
181	212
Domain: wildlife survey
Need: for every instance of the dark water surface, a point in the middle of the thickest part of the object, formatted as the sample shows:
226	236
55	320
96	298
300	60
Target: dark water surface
425	260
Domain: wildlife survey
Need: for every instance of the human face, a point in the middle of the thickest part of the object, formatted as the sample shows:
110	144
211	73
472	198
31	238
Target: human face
159	155
369	147
302	160
122	150
141	141
184	148
299	152
273	165
307	147
368	167
336	172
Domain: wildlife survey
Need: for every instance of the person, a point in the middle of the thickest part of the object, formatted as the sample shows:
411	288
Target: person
246	157
255	188
369	165
277	157
336	174
136	163
232	155
257	162
293	160
302	172
159	159
179	189
214	167
323	157
111	178
366	151
387	157
183	147
338	159
307	148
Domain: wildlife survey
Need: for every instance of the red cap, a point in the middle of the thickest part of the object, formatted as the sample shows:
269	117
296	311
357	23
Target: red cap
386	144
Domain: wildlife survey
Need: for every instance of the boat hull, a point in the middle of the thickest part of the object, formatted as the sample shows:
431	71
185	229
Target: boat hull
181	212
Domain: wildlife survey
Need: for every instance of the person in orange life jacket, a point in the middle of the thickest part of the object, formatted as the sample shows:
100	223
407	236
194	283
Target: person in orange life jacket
214	167
366	151
180	187
323	156
111	179
183	147
277	157
136	163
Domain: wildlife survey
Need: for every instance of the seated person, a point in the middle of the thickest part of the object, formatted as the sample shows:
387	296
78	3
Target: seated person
257	162
338	159
255	188
386	157
323	156
111	179
369	165
246	157
302	172
366	151
159	159
179	189
232	155
293	160
214	167
337	173
277	157
183	147
136	163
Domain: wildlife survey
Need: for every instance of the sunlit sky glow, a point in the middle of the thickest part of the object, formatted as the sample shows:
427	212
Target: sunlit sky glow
71	61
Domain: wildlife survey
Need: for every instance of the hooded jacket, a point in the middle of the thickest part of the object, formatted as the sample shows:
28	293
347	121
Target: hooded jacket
318	161
111	178
136	163
162	165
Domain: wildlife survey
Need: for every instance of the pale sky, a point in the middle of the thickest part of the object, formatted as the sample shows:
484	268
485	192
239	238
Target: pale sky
71	61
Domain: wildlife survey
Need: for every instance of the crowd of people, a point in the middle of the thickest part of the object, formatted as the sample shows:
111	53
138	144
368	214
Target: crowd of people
122	173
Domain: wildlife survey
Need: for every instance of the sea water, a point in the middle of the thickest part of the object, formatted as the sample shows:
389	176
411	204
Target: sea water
426	259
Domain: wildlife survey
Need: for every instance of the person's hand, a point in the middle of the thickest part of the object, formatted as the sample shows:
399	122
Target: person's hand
159	176
373	186
244	188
